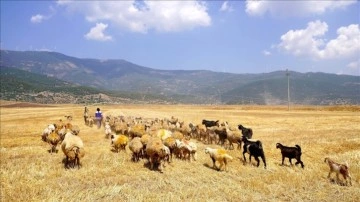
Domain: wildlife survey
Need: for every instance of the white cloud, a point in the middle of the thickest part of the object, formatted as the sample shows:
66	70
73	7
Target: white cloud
311	42
225	7
294	8
37	18
354	68
266	52
141	16
354	65
97	33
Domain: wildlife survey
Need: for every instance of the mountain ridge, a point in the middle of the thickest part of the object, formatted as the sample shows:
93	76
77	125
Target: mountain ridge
189	86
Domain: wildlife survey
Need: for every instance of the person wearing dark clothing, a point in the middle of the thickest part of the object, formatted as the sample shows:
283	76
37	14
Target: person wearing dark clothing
98	117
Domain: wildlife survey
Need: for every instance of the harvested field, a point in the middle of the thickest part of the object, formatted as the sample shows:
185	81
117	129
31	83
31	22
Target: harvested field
30	173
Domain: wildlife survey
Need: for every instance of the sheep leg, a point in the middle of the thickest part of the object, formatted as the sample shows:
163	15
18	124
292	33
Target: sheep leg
213	160
221	165
290	161
283	158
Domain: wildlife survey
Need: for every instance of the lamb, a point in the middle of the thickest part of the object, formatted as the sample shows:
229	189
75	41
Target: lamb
338	168
254	149
73	148
290	152
119	142
187	148
107	130
220	156
247	132
136	147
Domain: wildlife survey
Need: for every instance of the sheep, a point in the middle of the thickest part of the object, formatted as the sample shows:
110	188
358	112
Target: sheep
53	139
90	121
137	130
163	134
178	135
220	156
49	129
253	149
136	147
187	148
119	142
107	130
247	132
290	152
156	153
338	168
73	148
170	143
75	129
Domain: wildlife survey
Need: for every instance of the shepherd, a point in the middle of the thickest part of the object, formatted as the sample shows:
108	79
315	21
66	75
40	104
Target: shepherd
98	117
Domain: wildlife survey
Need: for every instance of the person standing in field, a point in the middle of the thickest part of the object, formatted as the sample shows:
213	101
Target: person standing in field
98	117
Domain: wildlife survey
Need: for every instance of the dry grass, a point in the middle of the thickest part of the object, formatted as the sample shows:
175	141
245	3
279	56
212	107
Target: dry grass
30	173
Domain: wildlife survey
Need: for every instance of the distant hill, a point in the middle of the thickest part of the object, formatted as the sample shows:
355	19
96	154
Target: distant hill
179	86
20	85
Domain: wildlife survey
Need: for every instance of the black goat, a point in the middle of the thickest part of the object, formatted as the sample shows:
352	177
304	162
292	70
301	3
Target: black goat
247	132
221	132
253	149
210	123
291	153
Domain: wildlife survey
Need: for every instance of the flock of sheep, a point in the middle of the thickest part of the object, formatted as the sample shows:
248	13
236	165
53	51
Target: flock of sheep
159	140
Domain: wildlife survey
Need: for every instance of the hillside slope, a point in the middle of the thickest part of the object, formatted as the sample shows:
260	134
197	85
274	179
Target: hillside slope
196	86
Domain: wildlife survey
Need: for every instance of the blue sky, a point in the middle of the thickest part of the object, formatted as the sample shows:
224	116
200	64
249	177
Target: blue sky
224	36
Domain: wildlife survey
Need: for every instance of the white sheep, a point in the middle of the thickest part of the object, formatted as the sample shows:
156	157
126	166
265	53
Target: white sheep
107	130
136	147
218	155
49	129
73	148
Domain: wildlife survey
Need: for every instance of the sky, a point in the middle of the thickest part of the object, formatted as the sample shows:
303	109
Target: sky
224	36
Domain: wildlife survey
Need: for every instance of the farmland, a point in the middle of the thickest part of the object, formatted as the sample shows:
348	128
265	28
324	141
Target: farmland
30	173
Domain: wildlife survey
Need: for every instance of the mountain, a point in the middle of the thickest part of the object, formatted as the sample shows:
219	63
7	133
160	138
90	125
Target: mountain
197	86
22	85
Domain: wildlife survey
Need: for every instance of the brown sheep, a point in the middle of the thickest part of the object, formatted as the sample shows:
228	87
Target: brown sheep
136	147
156	152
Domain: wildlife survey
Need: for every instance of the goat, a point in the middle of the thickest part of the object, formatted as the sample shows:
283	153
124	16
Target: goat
254	149
247	132
210	123
290	152
338	168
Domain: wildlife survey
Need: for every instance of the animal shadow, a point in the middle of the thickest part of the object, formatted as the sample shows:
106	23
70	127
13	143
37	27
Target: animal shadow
210	167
